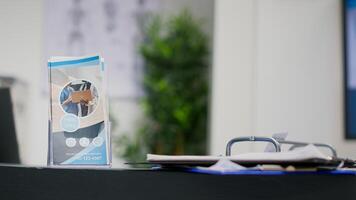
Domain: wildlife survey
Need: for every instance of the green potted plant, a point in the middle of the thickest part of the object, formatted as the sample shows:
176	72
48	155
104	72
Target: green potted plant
175	82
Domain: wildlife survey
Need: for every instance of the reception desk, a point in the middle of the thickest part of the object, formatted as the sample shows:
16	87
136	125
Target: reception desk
18	182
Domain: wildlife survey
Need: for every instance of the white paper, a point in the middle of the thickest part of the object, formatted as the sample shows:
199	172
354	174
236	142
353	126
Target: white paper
225	165
277	136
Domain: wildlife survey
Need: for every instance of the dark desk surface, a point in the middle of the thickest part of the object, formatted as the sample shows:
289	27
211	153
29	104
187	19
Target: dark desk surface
34	183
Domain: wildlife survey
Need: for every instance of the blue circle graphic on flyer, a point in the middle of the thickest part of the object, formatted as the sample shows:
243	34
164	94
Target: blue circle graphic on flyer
70	122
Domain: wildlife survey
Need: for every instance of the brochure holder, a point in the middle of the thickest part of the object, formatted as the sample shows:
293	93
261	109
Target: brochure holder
79	127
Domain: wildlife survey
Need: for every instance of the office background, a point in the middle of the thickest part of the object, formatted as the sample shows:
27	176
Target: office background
277	66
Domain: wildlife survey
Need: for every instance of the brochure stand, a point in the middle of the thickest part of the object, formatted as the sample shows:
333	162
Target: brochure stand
79	128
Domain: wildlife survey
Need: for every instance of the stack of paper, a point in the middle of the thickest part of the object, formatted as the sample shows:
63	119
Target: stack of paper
306	153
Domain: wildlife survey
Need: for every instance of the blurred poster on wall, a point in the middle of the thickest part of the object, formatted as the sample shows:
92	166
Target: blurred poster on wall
112	28
350	68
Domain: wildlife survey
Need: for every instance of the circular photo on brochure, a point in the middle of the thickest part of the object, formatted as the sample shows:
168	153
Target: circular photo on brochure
79	97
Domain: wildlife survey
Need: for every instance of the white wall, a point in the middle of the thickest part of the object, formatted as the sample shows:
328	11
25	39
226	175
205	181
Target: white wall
299	65
21	56
233	60
278	68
